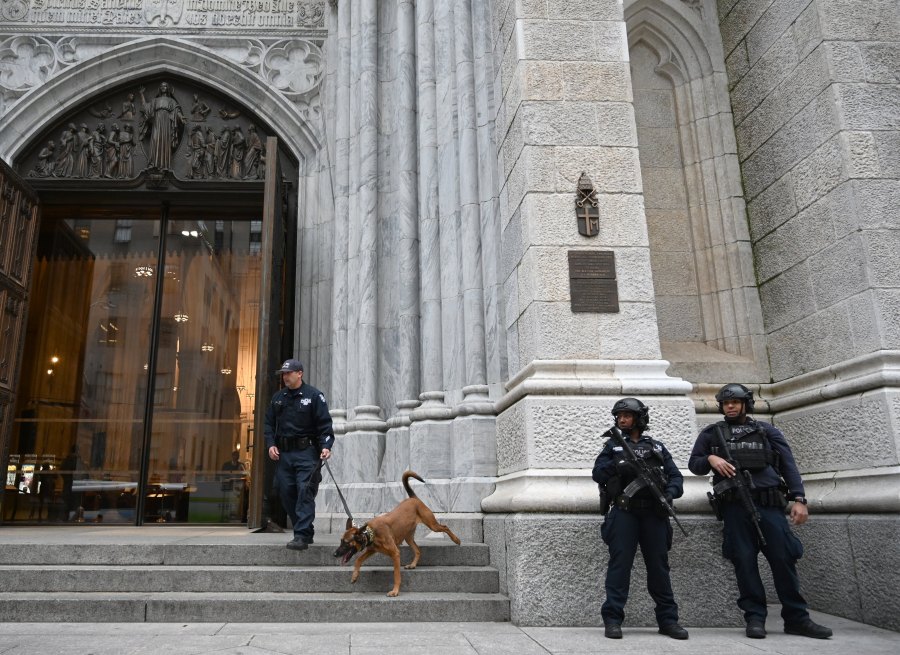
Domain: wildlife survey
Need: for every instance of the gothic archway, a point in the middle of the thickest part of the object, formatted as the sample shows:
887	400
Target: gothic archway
708	306
159	228
294	123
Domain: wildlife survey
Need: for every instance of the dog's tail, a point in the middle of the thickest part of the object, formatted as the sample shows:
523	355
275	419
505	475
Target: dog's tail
406	477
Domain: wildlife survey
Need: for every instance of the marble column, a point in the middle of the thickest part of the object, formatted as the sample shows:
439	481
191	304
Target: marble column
429	229
396	456
469	206
340	289
494	335
453	323
353	240
407	203
367	271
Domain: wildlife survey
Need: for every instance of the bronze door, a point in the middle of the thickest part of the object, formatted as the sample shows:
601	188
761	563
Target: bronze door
19	217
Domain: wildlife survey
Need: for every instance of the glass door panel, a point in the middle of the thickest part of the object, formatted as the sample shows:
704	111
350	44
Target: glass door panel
203	404
78	422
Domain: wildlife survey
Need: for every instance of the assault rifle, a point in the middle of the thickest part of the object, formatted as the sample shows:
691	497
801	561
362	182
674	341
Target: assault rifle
741	483
648	477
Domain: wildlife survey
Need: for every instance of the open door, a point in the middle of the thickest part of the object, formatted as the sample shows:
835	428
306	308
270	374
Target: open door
19	219
272	319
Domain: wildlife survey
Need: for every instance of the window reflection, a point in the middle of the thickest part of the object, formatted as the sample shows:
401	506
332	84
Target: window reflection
79	422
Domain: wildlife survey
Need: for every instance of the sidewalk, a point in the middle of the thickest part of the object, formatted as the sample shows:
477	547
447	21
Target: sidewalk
420	639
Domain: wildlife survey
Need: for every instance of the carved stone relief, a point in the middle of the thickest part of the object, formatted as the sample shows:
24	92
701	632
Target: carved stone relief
153	128
696	5
290	67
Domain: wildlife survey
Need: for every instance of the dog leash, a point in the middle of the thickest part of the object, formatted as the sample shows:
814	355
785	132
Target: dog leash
340	495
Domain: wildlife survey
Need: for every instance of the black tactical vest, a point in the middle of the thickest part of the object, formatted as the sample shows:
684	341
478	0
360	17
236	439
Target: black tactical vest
750	449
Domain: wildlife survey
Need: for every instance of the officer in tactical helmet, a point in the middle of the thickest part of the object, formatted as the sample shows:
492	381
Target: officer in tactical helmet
728	448
636	518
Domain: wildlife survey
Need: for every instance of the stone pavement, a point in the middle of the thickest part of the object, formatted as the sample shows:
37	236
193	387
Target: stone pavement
419	638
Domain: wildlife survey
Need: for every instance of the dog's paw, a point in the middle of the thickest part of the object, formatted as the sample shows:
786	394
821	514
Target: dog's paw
393	594
354	578
410	566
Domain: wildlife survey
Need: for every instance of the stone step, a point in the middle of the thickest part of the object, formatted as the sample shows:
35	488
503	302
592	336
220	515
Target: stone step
255	579
267	607
243	554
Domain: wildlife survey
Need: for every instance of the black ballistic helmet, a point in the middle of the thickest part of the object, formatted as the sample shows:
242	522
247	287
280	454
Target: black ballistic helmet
636	407
736	392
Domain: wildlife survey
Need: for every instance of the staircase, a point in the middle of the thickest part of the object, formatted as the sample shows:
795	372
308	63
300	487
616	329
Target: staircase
155	575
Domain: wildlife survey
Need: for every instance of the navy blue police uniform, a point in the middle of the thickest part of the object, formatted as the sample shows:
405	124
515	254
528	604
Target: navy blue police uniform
299	424
771	460
643	523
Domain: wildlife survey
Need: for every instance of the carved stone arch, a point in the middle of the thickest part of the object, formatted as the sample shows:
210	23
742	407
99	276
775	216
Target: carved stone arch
145	58
708	306
673	27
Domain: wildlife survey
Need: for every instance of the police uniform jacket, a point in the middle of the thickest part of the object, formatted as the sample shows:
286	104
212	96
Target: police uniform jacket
301	412
605	466
769	477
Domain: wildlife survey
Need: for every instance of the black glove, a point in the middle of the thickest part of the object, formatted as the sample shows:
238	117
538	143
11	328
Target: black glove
669	499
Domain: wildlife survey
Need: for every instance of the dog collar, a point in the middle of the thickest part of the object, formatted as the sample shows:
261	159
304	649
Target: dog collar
370	536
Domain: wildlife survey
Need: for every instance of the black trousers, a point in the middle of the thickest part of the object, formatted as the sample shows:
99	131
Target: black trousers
623	532
741	545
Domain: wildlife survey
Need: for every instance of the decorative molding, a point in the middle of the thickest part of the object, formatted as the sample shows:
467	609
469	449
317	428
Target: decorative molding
592	377
292	68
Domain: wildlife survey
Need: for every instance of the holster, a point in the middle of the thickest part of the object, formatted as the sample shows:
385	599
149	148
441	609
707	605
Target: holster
716	505
604	500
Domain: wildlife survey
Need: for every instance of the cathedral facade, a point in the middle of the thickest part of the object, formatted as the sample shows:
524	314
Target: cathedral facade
490	220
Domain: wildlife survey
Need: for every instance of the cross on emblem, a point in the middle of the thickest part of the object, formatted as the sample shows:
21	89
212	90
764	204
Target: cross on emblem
587	209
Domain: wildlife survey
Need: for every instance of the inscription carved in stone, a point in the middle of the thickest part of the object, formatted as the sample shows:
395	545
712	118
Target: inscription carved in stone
592	281
261	14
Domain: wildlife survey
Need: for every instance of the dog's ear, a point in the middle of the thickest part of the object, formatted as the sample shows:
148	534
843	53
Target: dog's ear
360	535
349	523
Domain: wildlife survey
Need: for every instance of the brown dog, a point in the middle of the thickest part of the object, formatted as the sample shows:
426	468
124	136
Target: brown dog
385	533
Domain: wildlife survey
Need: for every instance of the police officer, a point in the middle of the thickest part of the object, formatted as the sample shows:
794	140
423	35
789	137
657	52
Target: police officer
762	450
298	436
636	519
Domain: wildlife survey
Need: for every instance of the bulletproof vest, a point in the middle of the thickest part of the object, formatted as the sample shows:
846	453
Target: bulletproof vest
645	450
648	450
749	446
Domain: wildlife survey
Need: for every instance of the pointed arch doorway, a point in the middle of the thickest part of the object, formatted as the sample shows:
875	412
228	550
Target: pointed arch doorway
158	282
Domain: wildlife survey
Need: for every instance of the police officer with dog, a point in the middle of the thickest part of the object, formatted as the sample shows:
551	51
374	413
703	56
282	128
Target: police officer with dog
754	477
636	517
299	438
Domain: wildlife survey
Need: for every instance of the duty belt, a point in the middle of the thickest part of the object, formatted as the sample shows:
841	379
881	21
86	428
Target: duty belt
288	444
636	504
768	497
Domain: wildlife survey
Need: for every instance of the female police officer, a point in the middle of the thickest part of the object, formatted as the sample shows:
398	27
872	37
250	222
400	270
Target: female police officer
637	519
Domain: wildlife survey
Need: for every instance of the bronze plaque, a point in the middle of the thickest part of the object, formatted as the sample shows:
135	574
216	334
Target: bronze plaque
592	264
592	281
